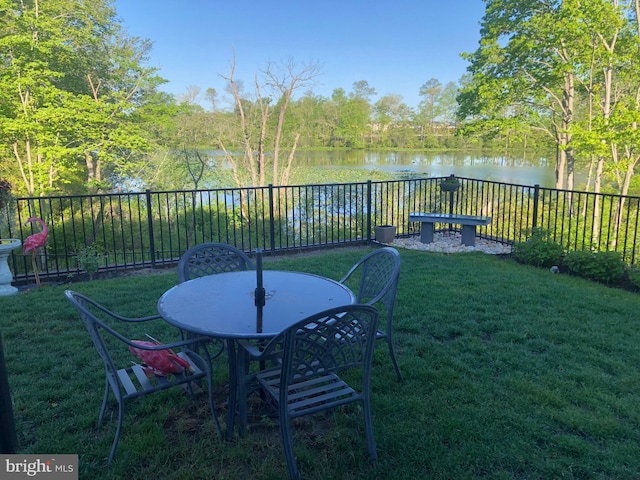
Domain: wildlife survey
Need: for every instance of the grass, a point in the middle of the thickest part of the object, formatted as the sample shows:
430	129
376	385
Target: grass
510	372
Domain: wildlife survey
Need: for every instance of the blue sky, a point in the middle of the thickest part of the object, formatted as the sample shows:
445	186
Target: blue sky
395	46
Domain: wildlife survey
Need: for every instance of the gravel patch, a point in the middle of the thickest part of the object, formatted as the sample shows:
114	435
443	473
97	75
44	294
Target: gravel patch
449	242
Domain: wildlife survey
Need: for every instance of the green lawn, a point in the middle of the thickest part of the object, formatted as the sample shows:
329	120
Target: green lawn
510	372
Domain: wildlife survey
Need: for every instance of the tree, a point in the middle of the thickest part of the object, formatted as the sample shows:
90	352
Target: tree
311	115
112	138
285	81
361	90
438	106
538	60
428	107
257	128
392	117
524	73
447	105
69	82
610	132
352	115
191	95
211	95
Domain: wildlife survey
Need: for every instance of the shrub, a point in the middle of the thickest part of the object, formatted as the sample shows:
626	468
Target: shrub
603	267
634	275
538	250
89	259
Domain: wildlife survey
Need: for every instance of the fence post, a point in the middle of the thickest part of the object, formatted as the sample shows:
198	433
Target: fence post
369	210
536	199
152	243
8	439
272	223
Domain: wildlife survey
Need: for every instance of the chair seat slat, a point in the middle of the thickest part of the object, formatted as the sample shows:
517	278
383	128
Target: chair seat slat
312	407
143	380
328	397
126	382
195	369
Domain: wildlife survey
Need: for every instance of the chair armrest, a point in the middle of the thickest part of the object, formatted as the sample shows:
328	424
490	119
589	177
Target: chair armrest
256	354
166	346
250	348
121	317
346	277
137	319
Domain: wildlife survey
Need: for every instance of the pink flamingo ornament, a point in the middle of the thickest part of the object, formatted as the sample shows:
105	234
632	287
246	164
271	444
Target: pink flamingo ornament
33	242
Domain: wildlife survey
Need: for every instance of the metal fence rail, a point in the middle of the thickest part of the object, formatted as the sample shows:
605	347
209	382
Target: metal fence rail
152	229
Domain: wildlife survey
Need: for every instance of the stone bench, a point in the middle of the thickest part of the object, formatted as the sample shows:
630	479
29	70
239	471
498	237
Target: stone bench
468	222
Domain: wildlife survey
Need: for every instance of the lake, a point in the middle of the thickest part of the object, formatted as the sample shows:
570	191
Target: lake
525	171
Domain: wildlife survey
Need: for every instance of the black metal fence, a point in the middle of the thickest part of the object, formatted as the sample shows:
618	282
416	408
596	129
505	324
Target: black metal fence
152	229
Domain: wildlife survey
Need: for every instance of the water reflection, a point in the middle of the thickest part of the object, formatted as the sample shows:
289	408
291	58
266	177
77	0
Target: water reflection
525	171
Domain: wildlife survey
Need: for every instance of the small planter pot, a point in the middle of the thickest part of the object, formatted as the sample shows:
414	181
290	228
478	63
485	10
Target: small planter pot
7	245
385	233
449	186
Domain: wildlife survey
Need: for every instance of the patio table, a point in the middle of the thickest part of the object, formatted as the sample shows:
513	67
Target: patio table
223	306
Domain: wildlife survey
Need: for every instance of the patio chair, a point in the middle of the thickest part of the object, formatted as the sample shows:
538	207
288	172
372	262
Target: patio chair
375	279
127	379
210	258
305	378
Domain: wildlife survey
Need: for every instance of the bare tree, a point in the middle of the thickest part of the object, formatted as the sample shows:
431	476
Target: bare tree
286	83
195	165
258	134
248	162
191	96
211	95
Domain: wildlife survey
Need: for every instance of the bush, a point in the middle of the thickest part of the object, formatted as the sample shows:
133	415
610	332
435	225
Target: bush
634	275
538	250
603	267
89	259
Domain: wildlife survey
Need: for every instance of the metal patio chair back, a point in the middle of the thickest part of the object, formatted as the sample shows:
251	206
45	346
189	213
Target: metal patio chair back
306	380
374	279
126	379
211	258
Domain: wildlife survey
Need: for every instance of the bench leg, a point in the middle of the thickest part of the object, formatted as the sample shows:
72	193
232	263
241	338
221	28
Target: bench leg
469	235
426	232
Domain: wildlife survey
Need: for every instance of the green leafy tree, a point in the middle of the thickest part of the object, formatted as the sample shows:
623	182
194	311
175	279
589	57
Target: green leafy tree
352	115
568	68
69	84
524	73
313	115
392	118
610	130
447	104
428	109
361	90
437	109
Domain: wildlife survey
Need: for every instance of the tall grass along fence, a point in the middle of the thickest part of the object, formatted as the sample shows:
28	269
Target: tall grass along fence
117	231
